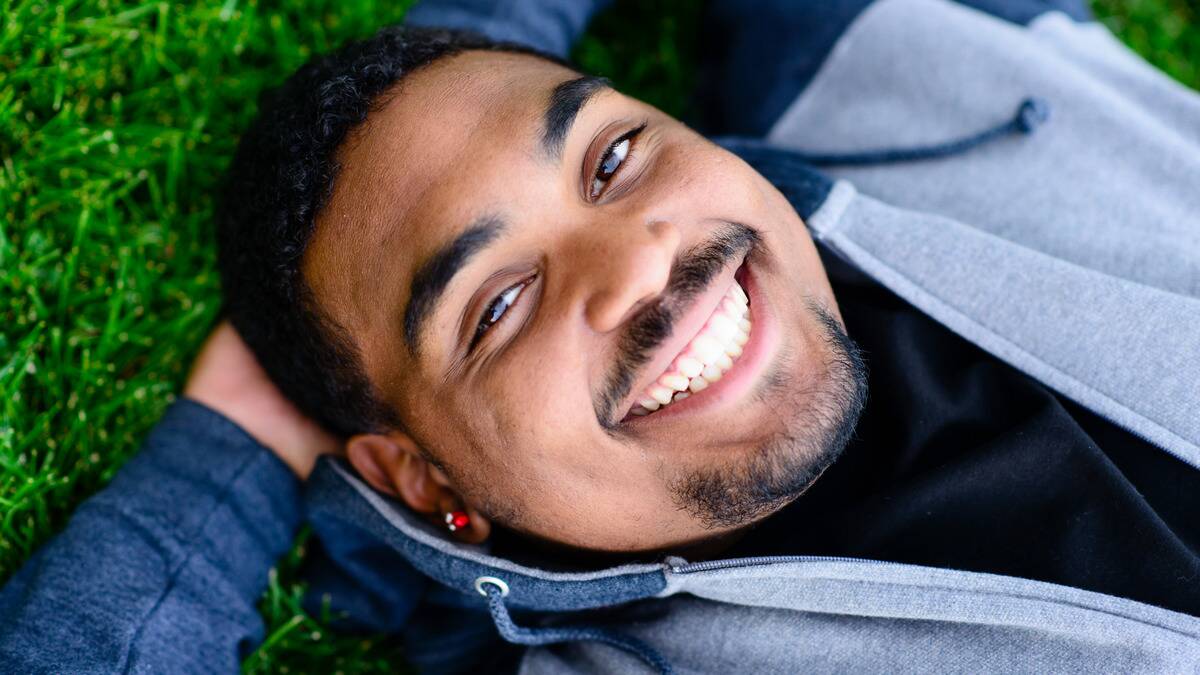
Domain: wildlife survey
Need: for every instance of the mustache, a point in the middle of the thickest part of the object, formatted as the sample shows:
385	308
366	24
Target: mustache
691	274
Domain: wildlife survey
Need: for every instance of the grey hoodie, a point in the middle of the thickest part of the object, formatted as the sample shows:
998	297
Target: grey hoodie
1069	248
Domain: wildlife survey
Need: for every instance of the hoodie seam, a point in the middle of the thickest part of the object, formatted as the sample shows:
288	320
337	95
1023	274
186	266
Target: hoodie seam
1014	595
988	339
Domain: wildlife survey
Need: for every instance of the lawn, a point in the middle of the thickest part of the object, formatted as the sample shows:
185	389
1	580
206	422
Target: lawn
116	120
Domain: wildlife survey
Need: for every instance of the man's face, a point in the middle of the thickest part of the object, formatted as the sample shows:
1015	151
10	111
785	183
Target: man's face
521	255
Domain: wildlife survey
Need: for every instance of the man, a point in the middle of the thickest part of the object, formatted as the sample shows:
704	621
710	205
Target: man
567	345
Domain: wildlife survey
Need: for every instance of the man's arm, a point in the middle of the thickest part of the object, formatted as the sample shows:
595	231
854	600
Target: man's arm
551	26
160	571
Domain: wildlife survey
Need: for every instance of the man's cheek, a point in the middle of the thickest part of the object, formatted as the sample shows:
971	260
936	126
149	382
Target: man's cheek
710	186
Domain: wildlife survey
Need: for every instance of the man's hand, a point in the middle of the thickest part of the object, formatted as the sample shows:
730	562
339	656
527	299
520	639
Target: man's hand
227	378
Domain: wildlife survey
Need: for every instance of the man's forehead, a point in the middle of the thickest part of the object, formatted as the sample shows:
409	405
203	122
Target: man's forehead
436	120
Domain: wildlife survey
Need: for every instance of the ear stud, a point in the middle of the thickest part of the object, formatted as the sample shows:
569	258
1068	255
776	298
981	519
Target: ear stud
456	520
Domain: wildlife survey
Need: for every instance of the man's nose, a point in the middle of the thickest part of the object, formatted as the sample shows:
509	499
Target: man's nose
628	268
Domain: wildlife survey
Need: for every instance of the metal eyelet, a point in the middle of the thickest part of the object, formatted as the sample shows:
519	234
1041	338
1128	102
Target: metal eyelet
498	583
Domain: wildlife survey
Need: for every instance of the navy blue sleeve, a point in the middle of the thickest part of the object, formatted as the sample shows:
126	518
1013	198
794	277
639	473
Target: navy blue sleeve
160	571
551	26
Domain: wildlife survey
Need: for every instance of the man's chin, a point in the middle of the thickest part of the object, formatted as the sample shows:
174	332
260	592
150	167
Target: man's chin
817	414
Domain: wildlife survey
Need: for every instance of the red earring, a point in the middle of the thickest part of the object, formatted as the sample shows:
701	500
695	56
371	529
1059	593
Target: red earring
456	520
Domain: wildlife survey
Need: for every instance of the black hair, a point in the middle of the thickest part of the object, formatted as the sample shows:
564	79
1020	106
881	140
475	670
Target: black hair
281	177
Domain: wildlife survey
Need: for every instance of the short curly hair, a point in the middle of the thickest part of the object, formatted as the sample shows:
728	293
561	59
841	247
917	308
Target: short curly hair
281	177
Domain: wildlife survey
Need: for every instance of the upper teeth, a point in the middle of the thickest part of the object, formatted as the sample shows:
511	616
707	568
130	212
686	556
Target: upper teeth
706	358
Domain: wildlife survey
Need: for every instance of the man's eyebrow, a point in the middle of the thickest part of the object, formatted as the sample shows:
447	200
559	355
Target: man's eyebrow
432	277
565	102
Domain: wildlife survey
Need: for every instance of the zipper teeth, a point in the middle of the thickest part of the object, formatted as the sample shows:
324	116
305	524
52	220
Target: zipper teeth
707	565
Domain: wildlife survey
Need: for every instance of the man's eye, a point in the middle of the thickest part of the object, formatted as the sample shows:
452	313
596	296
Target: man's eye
611	161
496	310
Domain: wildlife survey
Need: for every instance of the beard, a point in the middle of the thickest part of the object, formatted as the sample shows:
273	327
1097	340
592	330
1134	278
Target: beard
817	421
818	424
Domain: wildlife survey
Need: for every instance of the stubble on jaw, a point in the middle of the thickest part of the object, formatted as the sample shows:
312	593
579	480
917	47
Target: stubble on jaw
821	422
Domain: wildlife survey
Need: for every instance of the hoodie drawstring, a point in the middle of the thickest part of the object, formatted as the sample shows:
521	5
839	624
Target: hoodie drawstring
1032	113
495	590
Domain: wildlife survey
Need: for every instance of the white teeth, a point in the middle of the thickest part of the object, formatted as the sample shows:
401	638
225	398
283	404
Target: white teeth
722	327
706	349
676	382
736	308
661	394
707	358
712	373
740	294
688	366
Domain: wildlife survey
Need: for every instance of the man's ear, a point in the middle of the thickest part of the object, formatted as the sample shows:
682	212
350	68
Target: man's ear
393	464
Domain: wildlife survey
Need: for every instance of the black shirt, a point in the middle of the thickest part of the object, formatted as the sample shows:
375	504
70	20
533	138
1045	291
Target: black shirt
961	461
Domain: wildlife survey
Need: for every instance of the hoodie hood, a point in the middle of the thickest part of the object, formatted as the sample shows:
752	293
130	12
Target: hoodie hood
344	500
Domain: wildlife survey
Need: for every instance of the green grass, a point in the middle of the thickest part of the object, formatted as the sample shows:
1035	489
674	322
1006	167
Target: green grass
116	120
1166	32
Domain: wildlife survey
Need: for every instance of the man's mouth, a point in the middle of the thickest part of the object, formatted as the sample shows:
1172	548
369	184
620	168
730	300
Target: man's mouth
706	358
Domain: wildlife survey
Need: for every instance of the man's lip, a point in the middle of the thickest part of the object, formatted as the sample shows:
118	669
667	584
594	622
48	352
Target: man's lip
685	329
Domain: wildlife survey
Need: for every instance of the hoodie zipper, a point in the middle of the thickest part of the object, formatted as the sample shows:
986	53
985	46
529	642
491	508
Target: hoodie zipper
1029	593
753	561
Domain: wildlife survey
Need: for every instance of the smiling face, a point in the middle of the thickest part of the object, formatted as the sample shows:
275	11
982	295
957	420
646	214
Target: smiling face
606	331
